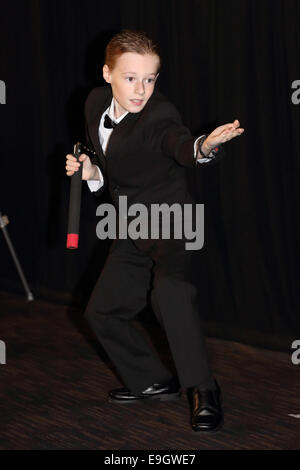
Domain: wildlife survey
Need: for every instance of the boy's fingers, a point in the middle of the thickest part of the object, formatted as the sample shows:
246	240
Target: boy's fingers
73	167
71	157
234	125
73	164
74	159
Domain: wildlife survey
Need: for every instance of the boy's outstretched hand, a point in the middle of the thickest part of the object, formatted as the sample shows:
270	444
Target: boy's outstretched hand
222	134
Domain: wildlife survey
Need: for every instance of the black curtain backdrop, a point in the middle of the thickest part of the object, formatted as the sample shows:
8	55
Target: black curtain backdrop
221	60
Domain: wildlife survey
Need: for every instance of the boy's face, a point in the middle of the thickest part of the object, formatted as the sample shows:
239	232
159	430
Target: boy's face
132	81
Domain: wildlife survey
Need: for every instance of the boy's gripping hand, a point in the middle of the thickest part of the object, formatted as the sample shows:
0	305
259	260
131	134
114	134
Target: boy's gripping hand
89	171
222	134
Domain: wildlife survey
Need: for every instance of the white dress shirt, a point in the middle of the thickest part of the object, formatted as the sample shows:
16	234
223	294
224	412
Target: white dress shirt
104	135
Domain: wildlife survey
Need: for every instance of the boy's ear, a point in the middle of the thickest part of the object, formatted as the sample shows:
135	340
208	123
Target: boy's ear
106	73
156	76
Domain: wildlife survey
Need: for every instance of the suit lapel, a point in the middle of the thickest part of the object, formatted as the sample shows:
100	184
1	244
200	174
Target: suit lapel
116	139
126	126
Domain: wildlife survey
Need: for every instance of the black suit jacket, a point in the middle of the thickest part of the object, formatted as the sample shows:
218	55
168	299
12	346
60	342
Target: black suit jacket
146	154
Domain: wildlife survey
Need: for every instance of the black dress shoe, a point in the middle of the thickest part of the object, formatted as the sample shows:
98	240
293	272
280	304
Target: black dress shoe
207	413
168	391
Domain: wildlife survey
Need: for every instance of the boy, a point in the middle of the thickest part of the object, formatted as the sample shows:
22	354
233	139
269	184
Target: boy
142	149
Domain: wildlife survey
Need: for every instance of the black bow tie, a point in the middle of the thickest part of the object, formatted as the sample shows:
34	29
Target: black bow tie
109	123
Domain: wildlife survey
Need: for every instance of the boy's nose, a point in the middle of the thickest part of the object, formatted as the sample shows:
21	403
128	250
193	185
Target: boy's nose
140	89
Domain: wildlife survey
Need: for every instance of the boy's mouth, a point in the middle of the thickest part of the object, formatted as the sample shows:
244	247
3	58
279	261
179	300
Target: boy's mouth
137	102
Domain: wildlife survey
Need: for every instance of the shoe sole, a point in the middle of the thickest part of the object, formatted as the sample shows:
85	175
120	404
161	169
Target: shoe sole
211	431
169	397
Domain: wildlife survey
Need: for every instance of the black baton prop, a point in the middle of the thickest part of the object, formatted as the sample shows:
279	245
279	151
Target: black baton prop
75	202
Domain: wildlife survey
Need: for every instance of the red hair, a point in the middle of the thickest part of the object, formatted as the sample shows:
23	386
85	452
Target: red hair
129	40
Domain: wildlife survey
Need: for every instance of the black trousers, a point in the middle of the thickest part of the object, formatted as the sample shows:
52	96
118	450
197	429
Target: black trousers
121	293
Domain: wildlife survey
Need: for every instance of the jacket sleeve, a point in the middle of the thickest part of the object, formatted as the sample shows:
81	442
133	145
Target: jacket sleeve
176	140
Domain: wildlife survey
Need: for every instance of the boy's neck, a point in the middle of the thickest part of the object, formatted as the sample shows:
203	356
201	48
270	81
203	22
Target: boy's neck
116	116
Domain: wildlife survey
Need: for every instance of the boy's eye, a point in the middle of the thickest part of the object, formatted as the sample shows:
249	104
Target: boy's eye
147	80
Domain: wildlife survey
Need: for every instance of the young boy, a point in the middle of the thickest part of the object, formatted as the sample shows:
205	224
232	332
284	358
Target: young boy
142	149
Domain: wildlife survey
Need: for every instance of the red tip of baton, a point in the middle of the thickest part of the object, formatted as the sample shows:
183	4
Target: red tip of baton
72	240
